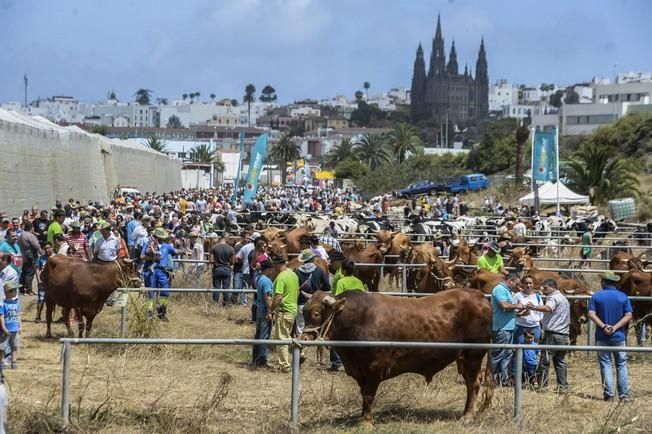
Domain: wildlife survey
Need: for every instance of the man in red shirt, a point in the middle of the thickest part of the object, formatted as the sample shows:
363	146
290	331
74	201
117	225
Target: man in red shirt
78	241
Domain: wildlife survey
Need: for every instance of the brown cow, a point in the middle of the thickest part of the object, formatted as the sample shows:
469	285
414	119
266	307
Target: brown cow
624	261
637	283
436	276
83	286
419	254
456	315
372	254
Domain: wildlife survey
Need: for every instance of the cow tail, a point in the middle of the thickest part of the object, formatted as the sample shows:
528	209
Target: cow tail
488	393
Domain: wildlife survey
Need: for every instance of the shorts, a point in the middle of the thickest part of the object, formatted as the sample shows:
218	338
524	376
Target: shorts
10	342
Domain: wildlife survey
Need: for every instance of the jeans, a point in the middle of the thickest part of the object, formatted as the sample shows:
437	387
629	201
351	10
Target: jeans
301	323
620	359
558	360
501	358
27	276
263	330
221	280
241	281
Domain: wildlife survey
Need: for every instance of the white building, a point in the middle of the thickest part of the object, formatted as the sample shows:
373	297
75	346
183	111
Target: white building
522	111
304	111
115	114
58	109
201	113
635	92
258	109
634	77
585	92
502	94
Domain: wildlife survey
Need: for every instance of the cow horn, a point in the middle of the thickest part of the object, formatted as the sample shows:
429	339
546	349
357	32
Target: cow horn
128	261
329	300
572	291
452	261
305	294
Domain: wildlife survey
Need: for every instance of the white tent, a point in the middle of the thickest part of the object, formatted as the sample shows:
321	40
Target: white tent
548	195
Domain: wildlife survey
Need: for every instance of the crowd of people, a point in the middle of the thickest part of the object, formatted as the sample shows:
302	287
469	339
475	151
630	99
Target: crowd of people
155	229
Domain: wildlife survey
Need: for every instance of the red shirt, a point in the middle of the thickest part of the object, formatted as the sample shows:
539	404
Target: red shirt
79	243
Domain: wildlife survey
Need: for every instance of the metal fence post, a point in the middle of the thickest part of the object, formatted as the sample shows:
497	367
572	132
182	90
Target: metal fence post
296	362
518	377
65	386
404	279
382	270
124	298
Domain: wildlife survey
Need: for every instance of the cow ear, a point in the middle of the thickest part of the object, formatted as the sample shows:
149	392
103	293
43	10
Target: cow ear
331	301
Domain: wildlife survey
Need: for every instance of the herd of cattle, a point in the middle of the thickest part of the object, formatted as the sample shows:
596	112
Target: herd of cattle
457	311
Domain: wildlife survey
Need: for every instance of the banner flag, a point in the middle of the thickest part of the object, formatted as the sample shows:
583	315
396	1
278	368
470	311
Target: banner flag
544	156
258	153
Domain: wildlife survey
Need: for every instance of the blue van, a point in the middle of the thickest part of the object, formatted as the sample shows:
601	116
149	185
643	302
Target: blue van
464	183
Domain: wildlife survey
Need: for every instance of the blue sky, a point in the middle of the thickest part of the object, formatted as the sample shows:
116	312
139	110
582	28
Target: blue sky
304	48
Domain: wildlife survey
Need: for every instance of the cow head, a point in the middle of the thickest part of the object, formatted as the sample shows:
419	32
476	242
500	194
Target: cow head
128	275
520	258
278	249
318	313
442	273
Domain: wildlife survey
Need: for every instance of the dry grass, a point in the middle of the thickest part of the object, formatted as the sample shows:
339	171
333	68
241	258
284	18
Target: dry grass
206	389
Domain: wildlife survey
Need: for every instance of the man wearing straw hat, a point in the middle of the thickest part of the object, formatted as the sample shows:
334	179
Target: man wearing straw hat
492	261
611	311
157	255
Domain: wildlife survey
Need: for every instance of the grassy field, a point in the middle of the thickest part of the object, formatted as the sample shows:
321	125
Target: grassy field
211	389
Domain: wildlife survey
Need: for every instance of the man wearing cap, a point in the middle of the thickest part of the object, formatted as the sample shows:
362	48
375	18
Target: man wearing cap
157	254
107	244
77	240
55	226
492	261
311	279
284	307
556	327
264	290
611	311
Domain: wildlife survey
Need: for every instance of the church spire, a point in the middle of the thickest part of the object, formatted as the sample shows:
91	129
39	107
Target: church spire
452	61
481	64
438	55
418	88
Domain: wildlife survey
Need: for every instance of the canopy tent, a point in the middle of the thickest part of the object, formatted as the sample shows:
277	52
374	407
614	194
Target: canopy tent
548	195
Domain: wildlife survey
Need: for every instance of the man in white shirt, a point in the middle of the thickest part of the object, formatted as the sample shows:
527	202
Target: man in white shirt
106	247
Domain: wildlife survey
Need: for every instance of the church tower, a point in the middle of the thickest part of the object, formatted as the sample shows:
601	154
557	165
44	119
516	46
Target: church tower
418	89
452	61
482	84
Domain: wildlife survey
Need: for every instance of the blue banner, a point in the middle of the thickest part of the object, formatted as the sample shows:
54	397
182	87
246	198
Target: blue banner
258	153
544	156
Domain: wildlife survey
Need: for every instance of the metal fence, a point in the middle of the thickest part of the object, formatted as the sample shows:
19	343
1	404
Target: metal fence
295	345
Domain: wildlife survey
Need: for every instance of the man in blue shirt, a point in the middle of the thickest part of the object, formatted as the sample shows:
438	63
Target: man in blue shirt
503	324
264	288
611	311
131	242
157	254
11	246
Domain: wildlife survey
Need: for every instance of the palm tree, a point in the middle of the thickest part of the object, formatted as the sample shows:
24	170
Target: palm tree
358	95
202	153
268	94
162	101
191	95
197	95
249	97
143	96
341	152
155	144
366	86
174	122
184	96
372	150
404	139
283	151
601	174
212	97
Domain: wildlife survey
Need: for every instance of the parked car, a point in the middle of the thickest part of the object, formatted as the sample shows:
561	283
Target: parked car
421	187
464	183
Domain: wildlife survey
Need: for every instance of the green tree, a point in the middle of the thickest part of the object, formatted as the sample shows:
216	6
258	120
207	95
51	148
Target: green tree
603	175
212	96
283	151
571	97
366	86
358	95
521	136
234	102
268	94
403	139
174	122
155	144
162	101
143	96
197	95
372	150
249	98
350	169
102	130
184	96
340	152
556	99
